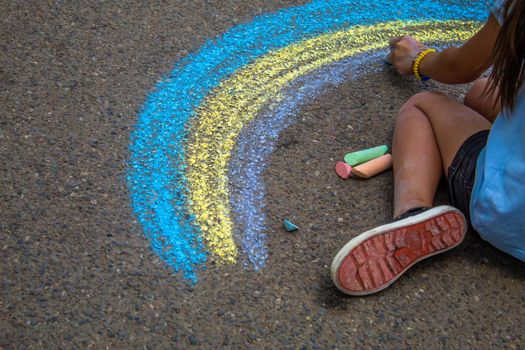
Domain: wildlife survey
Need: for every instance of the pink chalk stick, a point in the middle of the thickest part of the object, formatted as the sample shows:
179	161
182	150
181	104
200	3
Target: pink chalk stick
373	167
343	170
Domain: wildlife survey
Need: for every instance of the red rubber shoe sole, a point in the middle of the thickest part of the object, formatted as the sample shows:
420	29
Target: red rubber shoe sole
373	260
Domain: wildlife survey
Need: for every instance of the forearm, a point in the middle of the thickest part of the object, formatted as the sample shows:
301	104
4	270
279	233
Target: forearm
446	67
457	65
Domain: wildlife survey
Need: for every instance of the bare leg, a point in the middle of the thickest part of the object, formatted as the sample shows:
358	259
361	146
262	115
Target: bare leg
417	163
483	104
429	131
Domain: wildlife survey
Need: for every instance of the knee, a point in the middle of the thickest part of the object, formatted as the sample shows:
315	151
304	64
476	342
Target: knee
417	101
421	98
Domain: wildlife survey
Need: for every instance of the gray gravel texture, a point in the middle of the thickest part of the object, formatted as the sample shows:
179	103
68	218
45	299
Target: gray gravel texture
76	270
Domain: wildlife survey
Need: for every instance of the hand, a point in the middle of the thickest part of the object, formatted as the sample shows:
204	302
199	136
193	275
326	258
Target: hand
403	51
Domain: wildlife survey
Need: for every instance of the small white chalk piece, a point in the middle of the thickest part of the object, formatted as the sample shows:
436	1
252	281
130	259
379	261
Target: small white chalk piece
387	60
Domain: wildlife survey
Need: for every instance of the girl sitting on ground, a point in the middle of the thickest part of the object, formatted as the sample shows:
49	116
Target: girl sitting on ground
479	145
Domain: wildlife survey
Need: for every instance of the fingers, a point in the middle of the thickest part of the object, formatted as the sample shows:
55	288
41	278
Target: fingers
401	54
393	42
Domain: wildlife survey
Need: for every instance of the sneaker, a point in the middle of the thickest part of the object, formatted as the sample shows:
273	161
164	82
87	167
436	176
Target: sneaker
373	260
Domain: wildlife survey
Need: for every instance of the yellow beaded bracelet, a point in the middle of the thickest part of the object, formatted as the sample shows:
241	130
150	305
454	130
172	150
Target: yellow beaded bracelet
417	62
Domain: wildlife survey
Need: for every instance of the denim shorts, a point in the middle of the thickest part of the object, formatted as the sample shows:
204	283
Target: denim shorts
462	171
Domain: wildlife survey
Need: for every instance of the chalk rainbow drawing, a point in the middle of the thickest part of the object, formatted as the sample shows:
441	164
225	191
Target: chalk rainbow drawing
204	134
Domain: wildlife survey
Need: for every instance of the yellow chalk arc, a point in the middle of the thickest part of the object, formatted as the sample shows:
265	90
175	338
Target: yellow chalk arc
241	97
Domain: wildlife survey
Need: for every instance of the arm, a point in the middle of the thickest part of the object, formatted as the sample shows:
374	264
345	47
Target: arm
454	65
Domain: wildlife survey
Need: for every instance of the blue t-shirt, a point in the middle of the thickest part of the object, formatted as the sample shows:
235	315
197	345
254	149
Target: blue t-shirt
497	204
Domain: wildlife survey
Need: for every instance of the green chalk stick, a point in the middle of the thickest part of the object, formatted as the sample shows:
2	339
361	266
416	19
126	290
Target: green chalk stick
359	157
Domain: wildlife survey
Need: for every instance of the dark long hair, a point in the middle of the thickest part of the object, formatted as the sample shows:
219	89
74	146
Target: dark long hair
509	52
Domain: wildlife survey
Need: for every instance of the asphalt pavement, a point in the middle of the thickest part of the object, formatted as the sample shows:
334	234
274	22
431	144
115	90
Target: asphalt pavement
77	270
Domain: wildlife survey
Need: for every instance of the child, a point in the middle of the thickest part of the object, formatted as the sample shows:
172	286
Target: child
435	134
